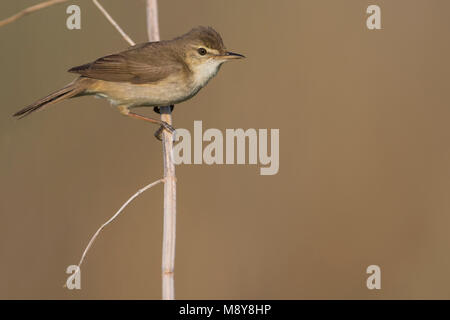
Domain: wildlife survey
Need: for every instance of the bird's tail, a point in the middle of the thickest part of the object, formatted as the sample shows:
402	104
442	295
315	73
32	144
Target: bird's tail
71	90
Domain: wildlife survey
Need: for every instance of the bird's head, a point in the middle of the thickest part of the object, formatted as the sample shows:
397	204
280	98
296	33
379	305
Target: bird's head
204	49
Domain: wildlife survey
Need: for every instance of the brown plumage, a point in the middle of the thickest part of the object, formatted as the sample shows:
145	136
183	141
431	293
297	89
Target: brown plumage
140	64
71	90
151	61
206	35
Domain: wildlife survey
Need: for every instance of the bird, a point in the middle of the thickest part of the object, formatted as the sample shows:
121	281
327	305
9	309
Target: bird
152	74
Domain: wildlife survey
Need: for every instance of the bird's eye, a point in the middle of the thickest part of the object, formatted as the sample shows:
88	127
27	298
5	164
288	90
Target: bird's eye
201	51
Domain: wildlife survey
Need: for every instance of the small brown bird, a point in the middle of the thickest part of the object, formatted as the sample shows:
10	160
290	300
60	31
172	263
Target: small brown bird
150	74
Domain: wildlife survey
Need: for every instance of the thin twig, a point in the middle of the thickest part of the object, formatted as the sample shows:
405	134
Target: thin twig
114	23
170	210
112	219
170	195
29	10
152	20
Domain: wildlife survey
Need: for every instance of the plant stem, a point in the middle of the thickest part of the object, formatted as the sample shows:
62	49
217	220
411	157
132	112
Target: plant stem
170	191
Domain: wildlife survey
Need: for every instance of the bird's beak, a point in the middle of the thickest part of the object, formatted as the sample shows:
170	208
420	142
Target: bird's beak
232	56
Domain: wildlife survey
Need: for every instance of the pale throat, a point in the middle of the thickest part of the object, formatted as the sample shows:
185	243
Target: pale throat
203	72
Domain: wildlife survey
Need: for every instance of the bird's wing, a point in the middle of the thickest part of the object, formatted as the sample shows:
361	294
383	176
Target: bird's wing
145	63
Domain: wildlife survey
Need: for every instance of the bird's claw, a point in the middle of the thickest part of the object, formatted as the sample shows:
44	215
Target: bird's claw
158	133
166	126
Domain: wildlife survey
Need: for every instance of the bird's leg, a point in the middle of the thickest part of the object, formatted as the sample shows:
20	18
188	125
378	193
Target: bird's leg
163	124
125	111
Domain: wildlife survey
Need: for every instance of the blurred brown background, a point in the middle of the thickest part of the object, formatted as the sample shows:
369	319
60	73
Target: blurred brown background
364	156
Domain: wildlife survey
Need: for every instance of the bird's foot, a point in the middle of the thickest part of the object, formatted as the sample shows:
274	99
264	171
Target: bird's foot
166	126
